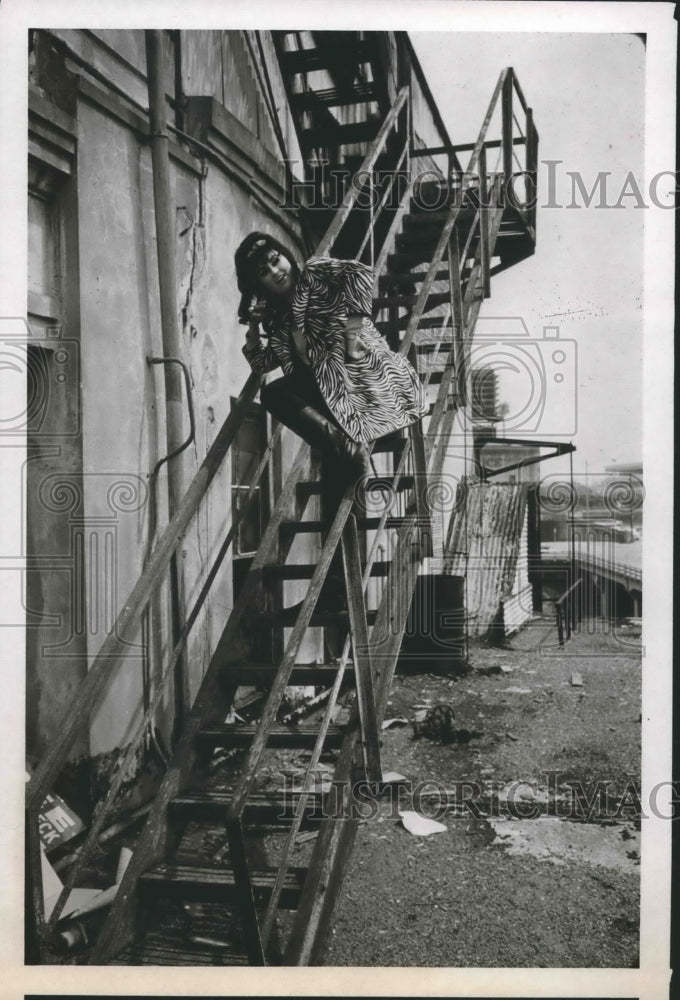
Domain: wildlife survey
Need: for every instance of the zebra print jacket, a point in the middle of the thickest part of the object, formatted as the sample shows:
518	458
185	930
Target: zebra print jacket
370	390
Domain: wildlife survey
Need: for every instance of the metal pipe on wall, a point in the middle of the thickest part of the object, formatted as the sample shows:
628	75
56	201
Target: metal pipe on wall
167	280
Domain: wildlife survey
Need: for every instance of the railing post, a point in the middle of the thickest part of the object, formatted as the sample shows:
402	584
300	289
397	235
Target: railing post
371	193
459	358
361	648
558	618
531	168
507	128
33	894
484	224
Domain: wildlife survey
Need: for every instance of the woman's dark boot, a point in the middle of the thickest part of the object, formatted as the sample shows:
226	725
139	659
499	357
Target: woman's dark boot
322	433
283	399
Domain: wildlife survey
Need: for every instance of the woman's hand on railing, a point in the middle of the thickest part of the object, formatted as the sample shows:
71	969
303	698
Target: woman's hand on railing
254	317
354	345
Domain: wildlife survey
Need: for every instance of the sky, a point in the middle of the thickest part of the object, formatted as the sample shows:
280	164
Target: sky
587	93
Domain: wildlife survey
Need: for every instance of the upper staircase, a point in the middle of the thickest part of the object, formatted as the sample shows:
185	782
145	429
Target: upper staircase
212	879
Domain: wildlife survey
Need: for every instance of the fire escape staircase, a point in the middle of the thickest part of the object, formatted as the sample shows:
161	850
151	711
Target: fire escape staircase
433	271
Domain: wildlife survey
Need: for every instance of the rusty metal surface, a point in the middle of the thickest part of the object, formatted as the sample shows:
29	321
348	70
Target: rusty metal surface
484	545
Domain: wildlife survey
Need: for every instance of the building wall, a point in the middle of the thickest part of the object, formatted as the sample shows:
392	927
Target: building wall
123	436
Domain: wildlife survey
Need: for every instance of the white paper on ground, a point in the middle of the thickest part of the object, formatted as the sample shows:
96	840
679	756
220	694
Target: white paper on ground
419	825
389	777
52	886
388	723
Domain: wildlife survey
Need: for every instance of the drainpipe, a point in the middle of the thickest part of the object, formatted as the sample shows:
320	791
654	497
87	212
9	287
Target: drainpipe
167	280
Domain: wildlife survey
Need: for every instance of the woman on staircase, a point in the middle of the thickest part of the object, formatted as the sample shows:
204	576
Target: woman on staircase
342	387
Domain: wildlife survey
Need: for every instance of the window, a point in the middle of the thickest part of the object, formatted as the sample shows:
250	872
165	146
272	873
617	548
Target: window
249	447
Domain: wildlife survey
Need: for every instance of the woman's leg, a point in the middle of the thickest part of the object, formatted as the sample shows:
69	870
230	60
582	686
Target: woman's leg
297	403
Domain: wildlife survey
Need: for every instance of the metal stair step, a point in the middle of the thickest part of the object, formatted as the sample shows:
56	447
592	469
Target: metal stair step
424	217
393	443
312	487
405	261
177	949
434	322
240	735
288	616
263	674
411	243
260	808
334	97
306	60
305	571
316	527
408	301
210	883
405	278
343	135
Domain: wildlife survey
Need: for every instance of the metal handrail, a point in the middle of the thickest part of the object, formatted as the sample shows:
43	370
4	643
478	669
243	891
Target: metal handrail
115	644
365	170
566	612
424	87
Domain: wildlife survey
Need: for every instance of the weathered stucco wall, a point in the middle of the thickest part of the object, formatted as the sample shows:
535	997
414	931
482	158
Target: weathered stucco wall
123	398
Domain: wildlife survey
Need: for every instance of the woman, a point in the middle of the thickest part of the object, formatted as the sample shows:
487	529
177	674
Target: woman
342	386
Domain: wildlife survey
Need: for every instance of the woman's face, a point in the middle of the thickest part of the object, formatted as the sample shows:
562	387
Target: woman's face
275	275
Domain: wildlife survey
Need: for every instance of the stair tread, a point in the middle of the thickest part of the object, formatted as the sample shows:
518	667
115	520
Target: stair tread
196	880
293	737
204	874
224	798
313	527
396	276
306	60
408	301
287	617
176	949
334	97
305	571
389	325
425	217
270	810
313	486
263	674
341	135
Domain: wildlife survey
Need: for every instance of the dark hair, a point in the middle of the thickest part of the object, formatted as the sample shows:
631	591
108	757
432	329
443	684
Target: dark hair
246	260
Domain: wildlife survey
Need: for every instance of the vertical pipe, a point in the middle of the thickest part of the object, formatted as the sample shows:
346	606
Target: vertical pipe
572	574
167	280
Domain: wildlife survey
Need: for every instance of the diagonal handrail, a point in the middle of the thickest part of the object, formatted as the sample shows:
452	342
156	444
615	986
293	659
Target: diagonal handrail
351	196
113	647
